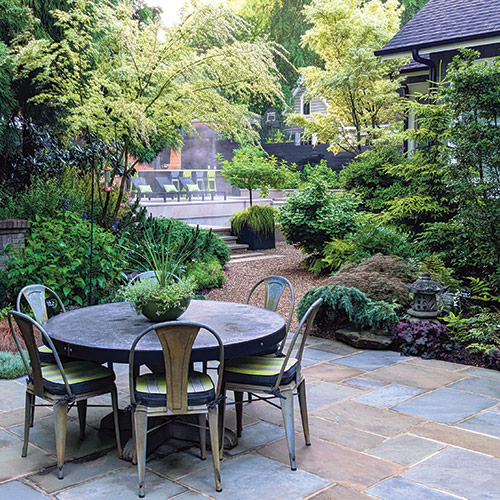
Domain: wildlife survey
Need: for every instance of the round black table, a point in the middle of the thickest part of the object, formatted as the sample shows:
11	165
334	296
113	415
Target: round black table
106	332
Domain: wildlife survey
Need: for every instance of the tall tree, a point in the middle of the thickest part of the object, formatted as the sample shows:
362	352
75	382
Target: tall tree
359	89
284	22
133	84
411	7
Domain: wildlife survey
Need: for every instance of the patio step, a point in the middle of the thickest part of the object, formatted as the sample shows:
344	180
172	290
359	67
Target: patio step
245	255
237	248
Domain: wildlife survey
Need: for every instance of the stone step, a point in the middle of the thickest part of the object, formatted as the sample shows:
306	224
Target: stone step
260	257
237	247
228	238
245	255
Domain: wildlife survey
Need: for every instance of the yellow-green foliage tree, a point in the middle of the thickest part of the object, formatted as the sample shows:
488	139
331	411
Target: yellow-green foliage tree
359	89
126	81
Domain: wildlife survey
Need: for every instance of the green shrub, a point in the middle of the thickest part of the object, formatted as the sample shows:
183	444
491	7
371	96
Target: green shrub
369	238
11	365
312	216
207	274
321	172
203	244
258	218
346	306
367	176
57	255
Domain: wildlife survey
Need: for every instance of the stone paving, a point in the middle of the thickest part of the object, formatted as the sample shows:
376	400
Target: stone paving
383	426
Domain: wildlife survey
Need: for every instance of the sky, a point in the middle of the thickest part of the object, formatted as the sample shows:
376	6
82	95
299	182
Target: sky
171	9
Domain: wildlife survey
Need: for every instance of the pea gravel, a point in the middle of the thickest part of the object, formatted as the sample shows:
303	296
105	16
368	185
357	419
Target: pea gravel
243	275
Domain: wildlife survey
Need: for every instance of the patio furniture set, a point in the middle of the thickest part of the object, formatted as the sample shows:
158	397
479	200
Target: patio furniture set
178	184
248	342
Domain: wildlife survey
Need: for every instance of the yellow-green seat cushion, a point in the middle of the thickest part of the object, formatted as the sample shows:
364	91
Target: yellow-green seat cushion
259	370
143	188
83	376
46	355
169	188
193	188
151	389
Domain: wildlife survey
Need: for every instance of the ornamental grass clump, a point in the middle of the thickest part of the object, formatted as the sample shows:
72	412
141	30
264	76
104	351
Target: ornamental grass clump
258	218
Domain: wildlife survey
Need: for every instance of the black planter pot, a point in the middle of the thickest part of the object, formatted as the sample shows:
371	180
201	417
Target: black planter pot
256	241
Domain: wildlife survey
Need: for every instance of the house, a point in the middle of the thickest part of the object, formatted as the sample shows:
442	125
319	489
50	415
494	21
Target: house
305	107
432	38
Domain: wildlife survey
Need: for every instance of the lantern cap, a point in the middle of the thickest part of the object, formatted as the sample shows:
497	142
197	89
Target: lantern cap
426	286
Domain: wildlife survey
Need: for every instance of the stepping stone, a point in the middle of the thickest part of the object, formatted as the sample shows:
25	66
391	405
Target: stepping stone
459	472
319	355
406	449
365	383
334	462
249	259
123	485
389	395
445	405
398	488
254	436
479	385
370	360
487	422
330	372
248	477
339	492
322	394
18	489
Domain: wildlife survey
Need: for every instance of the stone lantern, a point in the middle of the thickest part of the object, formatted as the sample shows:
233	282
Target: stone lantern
425	305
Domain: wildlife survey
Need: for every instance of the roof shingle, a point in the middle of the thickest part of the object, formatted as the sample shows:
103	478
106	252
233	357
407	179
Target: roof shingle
441	22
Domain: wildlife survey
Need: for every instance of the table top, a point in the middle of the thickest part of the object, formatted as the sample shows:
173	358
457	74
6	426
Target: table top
106	332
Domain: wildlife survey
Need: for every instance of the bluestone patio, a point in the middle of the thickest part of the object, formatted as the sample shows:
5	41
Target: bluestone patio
384	426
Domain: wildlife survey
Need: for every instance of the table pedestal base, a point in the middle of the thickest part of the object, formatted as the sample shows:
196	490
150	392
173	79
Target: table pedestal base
170	429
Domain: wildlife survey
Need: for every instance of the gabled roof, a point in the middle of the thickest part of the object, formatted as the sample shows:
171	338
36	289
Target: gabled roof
445	22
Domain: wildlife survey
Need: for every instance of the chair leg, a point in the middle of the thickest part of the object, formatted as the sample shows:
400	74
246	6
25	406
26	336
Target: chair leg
250	397
82	416
222	422
116	421
202	422
141	428
287	411
238	399
214	442
32	417
301	389
60	418
28	412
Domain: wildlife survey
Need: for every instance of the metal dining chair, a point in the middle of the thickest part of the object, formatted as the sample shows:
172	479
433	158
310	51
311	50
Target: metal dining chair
37	296
275	286
272	377
178	391
61	384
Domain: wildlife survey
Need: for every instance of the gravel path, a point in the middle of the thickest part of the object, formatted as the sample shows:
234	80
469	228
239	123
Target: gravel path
243	275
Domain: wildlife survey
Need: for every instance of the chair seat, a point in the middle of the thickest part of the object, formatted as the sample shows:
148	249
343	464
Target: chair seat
259	370
83	376
150	389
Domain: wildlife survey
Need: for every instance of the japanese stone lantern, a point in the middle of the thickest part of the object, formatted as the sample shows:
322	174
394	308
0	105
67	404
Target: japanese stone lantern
425	305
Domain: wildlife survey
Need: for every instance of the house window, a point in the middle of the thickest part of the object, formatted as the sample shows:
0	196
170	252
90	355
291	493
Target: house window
306	108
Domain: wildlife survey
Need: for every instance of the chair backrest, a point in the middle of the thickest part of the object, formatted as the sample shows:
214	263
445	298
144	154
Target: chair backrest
36	296
274	288
306	323
164	181
211	182
146	275
33	365
177	339
139	181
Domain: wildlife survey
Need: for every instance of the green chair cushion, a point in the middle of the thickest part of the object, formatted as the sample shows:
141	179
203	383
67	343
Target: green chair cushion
193	188
83	376
45	354
259	370
143	188
169	188
151	389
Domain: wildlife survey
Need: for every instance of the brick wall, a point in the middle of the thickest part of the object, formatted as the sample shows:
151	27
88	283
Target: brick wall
12	231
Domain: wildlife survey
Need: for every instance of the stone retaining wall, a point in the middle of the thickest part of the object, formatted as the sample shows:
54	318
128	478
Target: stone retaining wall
12	232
